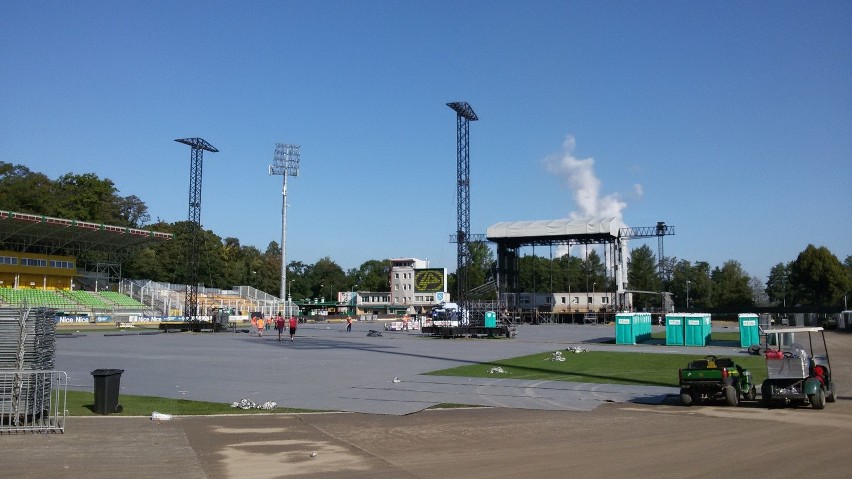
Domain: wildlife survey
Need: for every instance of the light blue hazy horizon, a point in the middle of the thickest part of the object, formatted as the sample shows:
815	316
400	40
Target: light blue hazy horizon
727	120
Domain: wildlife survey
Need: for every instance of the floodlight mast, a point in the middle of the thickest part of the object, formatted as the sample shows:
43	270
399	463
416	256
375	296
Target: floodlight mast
285	163
199	145
464	115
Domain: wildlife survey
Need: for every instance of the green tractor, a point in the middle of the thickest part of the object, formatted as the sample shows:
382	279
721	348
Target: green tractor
713	378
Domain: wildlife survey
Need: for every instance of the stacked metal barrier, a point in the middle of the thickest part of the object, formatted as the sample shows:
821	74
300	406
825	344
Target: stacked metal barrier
29	388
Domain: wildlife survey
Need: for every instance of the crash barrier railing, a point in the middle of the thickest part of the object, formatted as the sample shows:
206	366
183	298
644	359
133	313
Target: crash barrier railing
32	401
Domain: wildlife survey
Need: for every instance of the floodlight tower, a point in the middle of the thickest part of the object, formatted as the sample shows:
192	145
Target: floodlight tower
190	305
285	163
464	115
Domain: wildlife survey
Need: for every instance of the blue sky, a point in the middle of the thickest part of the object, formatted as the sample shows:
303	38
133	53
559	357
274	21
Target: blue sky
727	120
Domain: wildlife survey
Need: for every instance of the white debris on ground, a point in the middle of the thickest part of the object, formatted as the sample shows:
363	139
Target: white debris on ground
556	356
249	404
158	416
497	370
576	349
397	380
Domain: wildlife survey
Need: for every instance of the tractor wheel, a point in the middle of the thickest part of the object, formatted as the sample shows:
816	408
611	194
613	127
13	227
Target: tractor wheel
832	394
751	395
685	397
818	399
731	396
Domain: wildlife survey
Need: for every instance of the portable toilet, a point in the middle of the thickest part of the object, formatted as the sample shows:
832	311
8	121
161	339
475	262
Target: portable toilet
749	329
624	328
694	330
490	319
647	321
708	328
674	329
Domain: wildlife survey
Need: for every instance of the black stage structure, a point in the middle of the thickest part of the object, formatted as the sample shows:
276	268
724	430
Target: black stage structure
605	231
199	145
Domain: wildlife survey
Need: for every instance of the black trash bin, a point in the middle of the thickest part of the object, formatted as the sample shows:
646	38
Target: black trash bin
106	390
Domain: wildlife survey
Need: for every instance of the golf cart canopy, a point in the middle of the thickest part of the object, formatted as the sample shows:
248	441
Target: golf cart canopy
813	329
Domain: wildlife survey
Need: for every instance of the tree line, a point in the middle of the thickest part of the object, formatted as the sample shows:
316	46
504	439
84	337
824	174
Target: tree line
815	277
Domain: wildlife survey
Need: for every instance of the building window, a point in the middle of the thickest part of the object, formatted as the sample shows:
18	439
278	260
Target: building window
33	262
563	300
589	300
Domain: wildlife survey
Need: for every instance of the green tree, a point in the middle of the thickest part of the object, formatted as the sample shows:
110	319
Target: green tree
778	288
595	270
818	277
326	278
372	275
23	191
568	274
731	286
642	276
480	266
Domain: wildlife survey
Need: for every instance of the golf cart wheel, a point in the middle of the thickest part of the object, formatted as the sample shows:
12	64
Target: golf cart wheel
818	399
751	395
685	397
766	394
731	396
832	394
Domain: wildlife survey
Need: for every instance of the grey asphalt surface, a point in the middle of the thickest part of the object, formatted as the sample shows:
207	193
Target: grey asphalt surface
327	369
616	439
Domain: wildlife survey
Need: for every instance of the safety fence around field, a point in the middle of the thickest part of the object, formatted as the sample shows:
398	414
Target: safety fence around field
32	401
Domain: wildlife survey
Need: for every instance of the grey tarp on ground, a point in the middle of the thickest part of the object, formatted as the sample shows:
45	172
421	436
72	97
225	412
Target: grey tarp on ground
328	369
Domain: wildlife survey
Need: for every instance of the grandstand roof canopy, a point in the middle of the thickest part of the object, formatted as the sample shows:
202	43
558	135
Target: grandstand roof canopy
24	232
584	230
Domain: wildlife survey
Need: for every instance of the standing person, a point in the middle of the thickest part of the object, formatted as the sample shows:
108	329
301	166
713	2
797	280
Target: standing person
292	327
349	324
279	325
260	325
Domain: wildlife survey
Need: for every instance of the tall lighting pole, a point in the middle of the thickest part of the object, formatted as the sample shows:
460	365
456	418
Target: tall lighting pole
285	163
464	115
687	294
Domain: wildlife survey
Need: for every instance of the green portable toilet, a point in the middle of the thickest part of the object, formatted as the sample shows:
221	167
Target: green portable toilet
649	322
674	329
624	329
694	330
749	330
490	319
708	328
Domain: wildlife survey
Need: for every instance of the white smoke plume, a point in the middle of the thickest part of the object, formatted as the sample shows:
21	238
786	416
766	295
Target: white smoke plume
579	175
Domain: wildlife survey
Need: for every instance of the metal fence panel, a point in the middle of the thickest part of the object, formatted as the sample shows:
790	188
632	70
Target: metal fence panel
32	400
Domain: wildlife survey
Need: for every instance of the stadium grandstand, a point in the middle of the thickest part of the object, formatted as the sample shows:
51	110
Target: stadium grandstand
39	267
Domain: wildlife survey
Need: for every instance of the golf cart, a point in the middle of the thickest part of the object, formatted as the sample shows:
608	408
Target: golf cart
798	368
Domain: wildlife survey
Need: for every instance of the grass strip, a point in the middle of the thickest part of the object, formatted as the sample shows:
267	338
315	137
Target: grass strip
640	369
82	403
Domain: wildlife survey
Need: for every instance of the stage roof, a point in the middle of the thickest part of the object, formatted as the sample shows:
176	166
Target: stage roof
585	230
23	232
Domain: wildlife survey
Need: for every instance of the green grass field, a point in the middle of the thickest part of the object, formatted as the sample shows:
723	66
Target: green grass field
81	403
646	369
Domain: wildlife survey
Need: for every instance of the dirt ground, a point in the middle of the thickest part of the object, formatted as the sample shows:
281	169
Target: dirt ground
615	440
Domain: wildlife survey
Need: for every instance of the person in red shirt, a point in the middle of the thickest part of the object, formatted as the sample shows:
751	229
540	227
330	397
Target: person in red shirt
293	323
279	325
